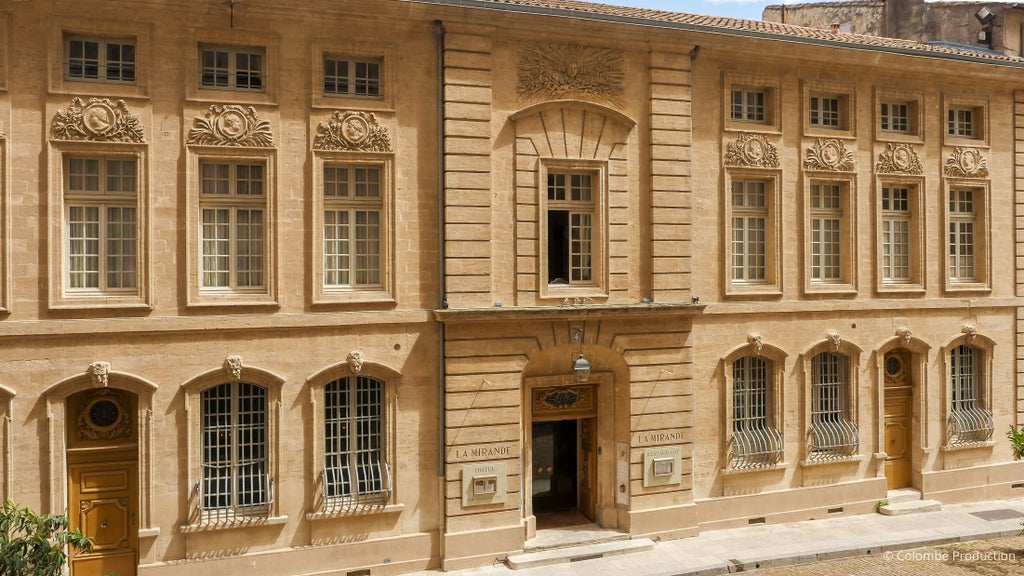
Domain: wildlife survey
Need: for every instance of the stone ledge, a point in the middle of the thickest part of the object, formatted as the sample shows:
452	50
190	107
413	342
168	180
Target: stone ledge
910	507
578	553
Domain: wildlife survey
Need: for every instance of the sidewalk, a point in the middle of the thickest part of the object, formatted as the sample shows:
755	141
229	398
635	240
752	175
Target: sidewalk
748	548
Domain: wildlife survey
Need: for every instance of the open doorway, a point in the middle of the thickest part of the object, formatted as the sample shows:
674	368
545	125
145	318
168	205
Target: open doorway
563	468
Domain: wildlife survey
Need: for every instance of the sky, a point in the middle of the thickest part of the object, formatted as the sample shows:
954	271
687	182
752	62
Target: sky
748	9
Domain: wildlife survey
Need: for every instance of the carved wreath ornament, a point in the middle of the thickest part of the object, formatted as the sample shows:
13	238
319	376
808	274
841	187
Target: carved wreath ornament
752	150
899	159
569	70
98	120
352	131
231	125
829	154
966	163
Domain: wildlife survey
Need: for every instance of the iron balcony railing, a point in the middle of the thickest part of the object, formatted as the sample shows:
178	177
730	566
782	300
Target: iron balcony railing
833	439
371	490
755	448
252	501
969	425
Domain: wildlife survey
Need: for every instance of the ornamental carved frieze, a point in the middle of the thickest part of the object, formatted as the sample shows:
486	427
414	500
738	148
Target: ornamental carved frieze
553	71
104	416
899	159
349	131
966	163
98	120
752	151
564	399
829	154
231	125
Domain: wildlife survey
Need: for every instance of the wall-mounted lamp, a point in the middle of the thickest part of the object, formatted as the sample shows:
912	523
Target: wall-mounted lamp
985	16
581	369
984	36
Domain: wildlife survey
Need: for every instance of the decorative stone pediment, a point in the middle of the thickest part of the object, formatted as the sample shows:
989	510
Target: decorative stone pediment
98	120
231	125
752	151
551	71
966	163
899	159
352	132
829	154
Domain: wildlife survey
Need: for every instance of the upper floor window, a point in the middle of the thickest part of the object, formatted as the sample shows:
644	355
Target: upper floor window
353	226
571	242
232	207
750	216
962	241
232	68
104	60
895	117
962	122
101	224
825	111
897	234
826	232
352	77
749	105
355	468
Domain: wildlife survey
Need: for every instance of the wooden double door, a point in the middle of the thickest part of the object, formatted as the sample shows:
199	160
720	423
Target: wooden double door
564	462
899	416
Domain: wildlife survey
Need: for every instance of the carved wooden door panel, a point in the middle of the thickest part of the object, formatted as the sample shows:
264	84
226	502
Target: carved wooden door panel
102	503
588	467
898	403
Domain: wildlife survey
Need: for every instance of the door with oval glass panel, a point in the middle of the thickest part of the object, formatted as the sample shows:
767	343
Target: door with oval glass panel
898	405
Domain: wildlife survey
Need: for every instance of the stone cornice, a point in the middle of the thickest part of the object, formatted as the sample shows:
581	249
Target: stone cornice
566	312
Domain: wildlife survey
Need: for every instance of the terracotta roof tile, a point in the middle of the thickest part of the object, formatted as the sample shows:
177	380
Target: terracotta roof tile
757	27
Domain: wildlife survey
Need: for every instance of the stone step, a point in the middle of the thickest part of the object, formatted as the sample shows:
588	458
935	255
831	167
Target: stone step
910	507
902	495
578	553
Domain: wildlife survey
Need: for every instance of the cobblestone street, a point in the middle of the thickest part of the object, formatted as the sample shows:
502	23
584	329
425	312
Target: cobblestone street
996	557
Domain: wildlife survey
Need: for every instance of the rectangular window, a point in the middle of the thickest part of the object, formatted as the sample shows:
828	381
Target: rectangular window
101	213
895	117
232	205
235	481
355	467
749	105
749	231
825	112
896	234
963	122
962	221
570	227
352	77
100	60
232	68
826	231
353	227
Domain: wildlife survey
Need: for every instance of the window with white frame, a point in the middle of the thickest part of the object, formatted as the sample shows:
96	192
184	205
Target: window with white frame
355	469
962	241
749	105
232	208
964	122
100	59
832	432
235	479
826	111
755	440
897	234
826	231
359	77
101	225
750	217
896	117
571	223
232	68
353	226
969	419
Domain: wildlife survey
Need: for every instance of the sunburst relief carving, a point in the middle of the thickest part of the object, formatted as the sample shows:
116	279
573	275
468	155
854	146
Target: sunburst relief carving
899	159
829	154
568	70
752	150
98	120
352	131
966	163
231	125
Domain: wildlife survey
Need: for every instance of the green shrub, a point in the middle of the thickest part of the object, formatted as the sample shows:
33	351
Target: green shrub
33	544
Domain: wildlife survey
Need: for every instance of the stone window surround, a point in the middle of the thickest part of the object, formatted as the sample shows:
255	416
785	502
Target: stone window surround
847	110
982	236
918	255
772	285
853	365
773	89
776	412
118	30
987	347
916	102
267	43
981	121
6	448
385	53
847	285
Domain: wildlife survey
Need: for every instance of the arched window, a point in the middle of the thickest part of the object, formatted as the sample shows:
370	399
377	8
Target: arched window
833	433
755	440
355	469
969	419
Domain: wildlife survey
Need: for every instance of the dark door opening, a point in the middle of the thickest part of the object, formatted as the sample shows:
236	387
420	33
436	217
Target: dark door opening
555	465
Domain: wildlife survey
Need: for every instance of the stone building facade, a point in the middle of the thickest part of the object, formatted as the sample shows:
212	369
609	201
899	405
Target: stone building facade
371	287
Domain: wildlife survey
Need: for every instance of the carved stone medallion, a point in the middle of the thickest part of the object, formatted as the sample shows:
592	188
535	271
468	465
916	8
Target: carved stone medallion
563	398
966	163
551	71
104	416
352	132
752	150
829	154
98	120
899	159
231	125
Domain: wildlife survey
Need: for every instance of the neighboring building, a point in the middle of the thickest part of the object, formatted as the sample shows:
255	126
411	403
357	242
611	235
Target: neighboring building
374	286
997	26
